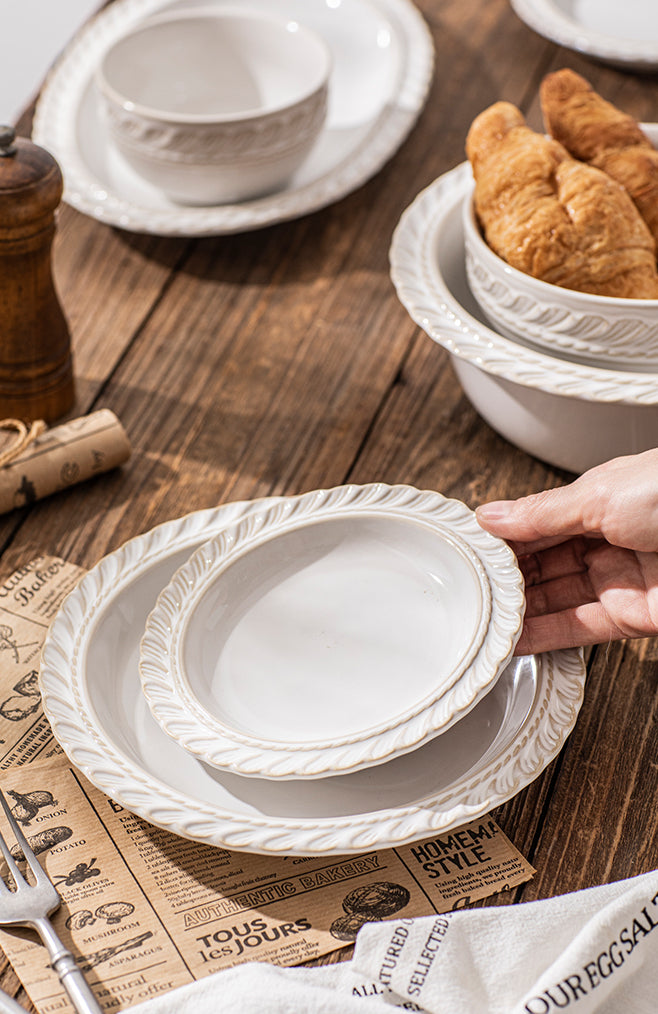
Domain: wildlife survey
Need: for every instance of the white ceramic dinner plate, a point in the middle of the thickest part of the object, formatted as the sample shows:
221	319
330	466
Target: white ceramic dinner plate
331	631
624	34
428	269
382	57
92	697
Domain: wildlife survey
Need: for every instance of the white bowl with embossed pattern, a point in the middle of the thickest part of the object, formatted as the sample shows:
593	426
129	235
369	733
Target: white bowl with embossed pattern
603	330
215	106
572	414
331	632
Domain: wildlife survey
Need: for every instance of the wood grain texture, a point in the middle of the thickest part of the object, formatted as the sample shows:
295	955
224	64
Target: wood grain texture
36	368
280	360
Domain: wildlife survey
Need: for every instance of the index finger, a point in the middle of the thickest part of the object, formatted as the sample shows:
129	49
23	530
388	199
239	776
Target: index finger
538	520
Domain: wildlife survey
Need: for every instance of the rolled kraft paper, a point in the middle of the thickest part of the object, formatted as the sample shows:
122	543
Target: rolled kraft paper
62	456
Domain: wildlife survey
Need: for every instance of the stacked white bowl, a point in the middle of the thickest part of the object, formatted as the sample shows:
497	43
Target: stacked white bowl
214	105
570	377
602	330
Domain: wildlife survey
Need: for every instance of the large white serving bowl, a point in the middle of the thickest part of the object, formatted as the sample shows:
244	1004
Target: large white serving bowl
214	106
570	414
602	330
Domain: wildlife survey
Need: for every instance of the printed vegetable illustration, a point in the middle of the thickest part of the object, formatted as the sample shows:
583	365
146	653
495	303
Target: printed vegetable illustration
78	920
28	804
79	873
92	960
43	841
115	911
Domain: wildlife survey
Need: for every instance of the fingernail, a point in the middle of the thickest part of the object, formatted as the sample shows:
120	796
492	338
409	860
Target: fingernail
494	511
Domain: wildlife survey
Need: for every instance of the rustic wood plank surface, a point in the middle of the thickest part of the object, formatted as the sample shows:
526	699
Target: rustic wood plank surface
280	360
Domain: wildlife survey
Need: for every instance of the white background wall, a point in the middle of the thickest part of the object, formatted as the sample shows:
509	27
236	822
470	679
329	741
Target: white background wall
33	33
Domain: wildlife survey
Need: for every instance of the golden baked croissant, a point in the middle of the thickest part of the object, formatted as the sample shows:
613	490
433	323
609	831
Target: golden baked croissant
553	217
595	131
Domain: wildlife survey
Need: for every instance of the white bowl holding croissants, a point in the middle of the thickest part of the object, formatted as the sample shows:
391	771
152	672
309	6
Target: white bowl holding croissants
561	229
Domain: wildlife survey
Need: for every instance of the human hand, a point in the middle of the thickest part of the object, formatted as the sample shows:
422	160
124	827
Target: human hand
589	555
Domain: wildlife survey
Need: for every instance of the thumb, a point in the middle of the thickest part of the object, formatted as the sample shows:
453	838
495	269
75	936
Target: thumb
542	518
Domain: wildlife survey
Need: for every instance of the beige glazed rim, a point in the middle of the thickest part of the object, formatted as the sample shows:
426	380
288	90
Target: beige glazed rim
334	631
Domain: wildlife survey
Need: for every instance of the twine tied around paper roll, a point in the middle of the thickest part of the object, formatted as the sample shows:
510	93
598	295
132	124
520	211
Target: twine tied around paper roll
26	433
44	460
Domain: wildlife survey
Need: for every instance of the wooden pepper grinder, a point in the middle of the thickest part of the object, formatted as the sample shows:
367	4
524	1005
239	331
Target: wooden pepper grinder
36	368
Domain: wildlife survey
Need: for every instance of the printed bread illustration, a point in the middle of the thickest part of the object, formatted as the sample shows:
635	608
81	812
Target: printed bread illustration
368	903
554	217
376	901
595	131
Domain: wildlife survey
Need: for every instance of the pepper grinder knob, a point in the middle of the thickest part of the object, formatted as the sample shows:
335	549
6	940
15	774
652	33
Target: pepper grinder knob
7	137
36	367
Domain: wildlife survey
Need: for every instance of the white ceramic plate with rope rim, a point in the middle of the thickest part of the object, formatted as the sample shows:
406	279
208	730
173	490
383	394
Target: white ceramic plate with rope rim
624	34
331	631
92	697
382	63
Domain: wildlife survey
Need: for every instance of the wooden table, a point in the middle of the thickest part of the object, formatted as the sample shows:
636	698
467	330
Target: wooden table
279	361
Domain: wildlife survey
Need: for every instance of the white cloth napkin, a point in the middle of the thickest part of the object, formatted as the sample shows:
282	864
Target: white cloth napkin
592	950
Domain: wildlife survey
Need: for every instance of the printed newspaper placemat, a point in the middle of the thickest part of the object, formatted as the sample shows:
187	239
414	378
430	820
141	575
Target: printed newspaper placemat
144	910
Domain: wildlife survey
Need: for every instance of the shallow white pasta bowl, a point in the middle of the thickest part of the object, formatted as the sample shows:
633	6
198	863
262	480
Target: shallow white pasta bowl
215	105
600	329
331	632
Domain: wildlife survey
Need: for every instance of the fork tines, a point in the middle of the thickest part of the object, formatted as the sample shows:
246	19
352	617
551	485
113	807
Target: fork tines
21	851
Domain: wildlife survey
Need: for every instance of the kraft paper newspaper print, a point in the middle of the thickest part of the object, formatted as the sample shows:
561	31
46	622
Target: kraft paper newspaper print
29	600
146	911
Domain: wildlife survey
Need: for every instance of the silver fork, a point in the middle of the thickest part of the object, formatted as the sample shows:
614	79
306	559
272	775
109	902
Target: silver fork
31	905
8	1005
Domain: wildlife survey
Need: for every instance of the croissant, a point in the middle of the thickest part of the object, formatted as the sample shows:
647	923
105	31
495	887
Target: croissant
595	131
554	217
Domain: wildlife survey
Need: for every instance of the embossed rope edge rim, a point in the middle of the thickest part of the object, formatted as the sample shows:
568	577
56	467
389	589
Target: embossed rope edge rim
628	340
198	573
432	306
68	709
177	710
54	128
